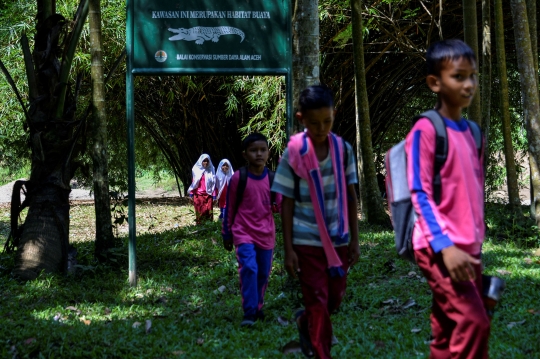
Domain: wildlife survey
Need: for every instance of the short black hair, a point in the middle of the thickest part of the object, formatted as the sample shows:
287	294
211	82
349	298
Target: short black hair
441	51
315	97
253	137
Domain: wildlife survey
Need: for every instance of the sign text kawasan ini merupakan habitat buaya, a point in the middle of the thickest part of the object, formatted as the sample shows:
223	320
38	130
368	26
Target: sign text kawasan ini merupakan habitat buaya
210	34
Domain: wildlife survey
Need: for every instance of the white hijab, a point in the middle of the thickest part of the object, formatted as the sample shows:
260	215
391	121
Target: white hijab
222	177
209	175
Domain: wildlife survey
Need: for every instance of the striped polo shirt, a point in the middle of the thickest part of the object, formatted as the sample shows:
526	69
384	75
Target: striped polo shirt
305	229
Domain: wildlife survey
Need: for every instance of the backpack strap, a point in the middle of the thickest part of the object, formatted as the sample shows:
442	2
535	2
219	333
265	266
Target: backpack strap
271	175
477	134
441	149
296	178
242	182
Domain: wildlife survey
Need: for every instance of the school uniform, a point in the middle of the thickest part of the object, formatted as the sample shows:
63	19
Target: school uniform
322	291
203	189
253	233
222	185
459	321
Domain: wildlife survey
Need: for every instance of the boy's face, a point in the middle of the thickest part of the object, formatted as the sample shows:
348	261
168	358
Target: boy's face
257	153
456	84
205	162
225	168
318	123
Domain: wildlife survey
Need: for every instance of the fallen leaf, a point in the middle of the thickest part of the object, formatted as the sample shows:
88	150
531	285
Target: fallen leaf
388	301
537	253
148	326
513	324
291	347
86	321
416	330
527	260
73	309
57	317
535	312
503	272
29	341
214	242
200	341
411	274
222	289
410	303
136	324
177	352
283	321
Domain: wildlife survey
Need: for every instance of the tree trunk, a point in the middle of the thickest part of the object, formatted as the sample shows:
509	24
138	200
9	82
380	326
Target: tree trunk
486	71
511	175
43	241
470	31
529	88
533	31
305	56
371	197
102	205
359	162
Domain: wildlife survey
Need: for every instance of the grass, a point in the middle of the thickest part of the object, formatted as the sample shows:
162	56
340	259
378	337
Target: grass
95	314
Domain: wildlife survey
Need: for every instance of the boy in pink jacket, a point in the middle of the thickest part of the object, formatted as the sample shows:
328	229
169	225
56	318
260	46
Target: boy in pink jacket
447	238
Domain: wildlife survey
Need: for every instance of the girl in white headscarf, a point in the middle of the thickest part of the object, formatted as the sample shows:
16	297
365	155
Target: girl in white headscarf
203	188
224	173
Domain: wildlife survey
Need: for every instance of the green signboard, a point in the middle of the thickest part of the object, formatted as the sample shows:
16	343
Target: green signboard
209	36
218	37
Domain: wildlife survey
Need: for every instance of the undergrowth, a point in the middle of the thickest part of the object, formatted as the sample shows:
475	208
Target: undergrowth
177	310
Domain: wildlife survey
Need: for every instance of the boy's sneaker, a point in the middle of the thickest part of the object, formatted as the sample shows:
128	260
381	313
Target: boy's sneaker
260	316
248	321
305	341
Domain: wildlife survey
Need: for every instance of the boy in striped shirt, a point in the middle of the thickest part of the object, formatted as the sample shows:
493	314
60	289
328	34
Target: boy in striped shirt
317	177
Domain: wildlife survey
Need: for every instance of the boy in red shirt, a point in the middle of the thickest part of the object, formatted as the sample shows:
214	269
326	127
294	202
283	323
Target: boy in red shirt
447	237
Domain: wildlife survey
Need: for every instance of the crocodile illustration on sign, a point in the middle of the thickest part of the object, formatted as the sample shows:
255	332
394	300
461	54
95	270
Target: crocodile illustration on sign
200	34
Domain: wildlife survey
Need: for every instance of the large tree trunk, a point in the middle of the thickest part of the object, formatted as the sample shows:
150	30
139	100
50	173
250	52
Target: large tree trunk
511	175
305	56
42	244
470	31
371	197
529	88
102	205
486	71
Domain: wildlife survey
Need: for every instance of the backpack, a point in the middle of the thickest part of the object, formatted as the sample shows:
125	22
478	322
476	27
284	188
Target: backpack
296	178
242	182
397	188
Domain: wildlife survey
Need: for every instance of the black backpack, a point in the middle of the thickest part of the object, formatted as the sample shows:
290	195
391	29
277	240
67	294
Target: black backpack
242	187
397	188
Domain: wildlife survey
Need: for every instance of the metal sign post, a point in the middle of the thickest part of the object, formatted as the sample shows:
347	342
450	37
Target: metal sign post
202	37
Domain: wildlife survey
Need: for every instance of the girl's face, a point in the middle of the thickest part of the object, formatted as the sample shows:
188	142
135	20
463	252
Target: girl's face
225	168
205	163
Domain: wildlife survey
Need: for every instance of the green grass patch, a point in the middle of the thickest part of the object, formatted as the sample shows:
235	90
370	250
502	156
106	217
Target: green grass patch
96	314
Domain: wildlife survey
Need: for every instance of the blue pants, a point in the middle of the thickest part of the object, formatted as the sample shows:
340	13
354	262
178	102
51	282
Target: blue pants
254	266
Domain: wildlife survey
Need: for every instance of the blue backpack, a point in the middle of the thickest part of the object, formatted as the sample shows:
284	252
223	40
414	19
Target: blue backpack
397	188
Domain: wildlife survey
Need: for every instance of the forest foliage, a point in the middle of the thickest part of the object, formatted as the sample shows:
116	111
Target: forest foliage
177	118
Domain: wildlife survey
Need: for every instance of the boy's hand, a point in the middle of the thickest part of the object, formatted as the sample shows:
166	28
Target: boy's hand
291	263
228	244
459	264
354	253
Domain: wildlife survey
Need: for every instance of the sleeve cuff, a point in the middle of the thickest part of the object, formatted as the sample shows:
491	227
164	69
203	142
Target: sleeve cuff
440	243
